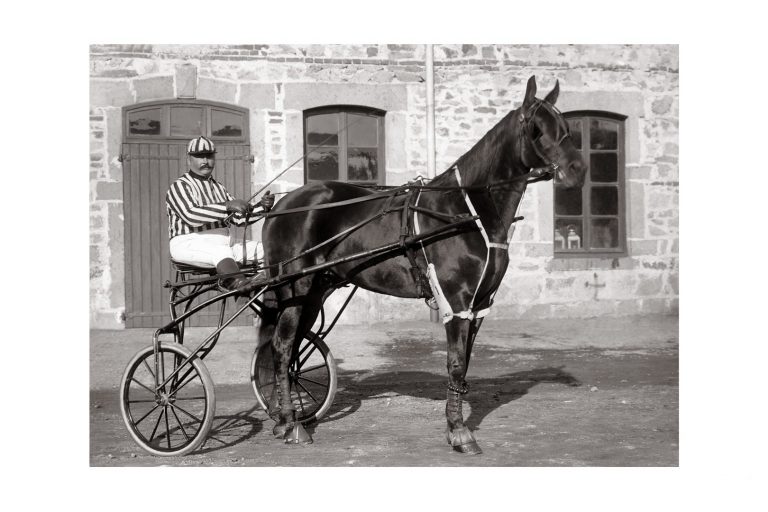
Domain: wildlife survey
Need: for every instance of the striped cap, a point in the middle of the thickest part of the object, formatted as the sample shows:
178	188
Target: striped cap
200	146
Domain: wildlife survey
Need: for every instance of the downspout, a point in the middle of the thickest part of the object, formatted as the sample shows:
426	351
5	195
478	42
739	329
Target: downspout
434	316
430	113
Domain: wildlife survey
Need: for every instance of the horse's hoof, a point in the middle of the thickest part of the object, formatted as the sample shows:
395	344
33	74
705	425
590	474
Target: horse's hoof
298	435
463	441
280	430
470	448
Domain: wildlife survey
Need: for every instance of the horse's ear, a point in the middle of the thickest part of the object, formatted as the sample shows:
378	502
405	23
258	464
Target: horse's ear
553	94
530	91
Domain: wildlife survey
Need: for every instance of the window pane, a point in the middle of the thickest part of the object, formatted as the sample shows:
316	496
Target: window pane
187	121
145	122
226	124
323	164
605	233
603	167
363	131
605	200
567	201
575	126
323	129
362	165
568	234
603	134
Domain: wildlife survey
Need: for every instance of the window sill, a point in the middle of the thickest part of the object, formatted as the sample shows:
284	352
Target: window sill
590	262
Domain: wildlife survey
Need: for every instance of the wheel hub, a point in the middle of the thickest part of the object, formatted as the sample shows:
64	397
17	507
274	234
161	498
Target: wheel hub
165	399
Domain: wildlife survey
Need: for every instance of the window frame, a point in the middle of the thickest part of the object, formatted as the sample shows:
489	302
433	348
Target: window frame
586	116
165	116
344	110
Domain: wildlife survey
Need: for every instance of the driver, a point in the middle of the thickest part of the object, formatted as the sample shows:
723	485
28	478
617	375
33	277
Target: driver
198	209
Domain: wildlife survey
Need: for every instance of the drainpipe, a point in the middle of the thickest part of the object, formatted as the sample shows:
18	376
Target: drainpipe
430	113
431	173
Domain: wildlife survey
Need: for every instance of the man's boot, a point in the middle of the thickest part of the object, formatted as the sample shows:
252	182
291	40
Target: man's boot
229	266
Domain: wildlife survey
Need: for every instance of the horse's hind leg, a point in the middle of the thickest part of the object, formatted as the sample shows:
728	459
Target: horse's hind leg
293	323
460	334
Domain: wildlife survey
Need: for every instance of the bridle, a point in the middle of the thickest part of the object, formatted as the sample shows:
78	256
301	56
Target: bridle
550	166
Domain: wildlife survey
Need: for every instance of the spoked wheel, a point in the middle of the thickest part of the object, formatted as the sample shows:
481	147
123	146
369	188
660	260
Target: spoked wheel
175	419
312	375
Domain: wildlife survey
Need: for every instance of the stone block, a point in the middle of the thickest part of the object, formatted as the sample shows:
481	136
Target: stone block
662	105
559	283
110	93
643	247
638	172
519	289
216	90
395	130
637	212
106	320
658	200
114	120
674	283
154	88
109	191
648	285
544	205
186	80
116	262
294	137
257	96
388	97
539	250
96	221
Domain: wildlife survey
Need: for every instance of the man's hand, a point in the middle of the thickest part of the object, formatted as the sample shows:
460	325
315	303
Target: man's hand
237	206
267	201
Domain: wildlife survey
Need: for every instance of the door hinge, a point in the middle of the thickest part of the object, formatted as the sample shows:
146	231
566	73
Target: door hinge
122	158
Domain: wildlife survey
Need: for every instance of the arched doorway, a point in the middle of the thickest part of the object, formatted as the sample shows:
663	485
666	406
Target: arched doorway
153	156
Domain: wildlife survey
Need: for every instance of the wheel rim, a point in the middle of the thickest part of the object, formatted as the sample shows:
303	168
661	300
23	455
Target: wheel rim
174	418
311	374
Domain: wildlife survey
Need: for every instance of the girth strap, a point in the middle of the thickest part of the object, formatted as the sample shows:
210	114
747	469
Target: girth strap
406	229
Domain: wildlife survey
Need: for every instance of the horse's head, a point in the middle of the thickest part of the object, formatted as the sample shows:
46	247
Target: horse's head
546	140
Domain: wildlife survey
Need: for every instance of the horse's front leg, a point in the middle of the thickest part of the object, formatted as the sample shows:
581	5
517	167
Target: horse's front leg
460	334
283	342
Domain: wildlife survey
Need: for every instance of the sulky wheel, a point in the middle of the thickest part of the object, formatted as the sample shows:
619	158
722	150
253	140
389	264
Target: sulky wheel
312	374
174	420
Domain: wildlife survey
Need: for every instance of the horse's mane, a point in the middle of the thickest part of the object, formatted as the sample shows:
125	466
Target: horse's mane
487	155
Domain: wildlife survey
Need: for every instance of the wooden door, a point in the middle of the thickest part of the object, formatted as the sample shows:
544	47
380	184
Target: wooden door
148	170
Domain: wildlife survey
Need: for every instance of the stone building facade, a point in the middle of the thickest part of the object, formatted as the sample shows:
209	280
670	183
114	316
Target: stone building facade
474	87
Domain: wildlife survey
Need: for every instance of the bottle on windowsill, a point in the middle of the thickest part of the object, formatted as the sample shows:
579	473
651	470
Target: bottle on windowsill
559	240
574	240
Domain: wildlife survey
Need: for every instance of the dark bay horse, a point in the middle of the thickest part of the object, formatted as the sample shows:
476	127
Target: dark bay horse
468	267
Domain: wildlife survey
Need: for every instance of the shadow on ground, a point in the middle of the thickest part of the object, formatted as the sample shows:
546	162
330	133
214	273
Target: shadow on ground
486	394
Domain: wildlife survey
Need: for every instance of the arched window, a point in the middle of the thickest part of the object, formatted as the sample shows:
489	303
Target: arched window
344	143
591	221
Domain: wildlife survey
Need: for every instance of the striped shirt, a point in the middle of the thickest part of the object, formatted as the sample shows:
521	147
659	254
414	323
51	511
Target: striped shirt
197	204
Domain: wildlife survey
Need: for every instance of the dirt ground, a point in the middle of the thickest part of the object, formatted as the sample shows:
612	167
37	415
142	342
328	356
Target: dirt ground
594	392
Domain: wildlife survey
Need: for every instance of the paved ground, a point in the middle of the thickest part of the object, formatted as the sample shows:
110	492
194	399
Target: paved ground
596	392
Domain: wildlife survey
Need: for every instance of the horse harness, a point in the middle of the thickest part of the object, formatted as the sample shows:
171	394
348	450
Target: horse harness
427	284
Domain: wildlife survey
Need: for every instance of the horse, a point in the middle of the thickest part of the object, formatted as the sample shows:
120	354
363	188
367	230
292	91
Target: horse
465	268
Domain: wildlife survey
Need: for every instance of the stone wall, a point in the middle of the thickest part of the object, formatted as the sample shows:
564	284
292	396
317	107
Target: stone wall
475	86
